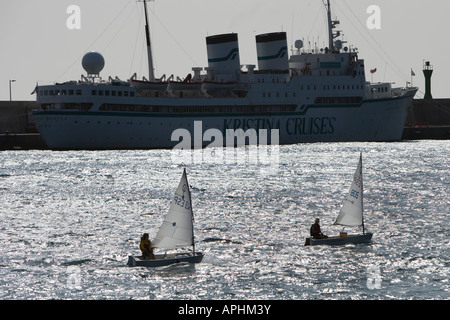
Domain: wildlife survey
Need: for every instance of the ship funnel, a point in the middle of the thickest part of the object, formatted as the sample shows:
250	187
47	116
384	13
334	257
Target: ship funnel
272	51
223	55
427	72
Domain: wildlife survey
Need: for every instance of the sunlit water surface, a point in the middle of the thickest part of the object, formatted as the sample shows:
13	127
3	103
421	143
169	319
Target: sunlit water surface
70	220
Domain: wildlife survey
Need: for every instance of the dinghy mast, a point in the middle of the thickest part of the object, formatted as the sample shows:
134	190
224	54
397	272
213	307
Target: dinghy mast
362	190
192	213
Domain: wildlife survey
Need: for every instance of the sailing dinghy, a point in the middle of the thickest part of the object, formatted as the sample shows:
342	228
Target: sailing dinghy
176	231
351	215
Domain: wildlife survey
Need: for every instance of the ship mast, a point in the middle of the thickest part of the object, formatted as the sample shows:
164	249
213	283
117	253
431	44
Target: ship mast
151	73
331	26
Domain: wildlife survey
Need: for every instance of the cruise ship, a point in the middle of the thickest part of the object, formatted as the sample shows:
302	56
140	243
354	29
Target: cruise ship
318	95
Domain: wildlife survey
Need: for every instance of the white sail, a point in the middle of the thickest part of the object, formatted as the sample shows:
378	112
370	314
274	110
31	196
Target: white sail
177	228
351	213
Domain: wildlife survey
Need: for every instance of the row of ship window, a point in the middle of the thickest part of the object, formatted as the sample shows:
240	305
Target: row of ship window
130	123
335	87
78	92
170	109
113	93
196	109
314	87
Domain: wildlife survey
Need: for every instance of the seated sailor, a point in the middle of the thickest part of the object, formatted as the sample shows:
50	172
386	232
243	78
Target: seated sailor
146	247
316	232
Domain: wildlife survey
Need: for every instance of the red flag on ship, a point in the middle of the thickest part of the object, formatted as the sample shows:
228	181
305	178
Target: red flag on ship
373	70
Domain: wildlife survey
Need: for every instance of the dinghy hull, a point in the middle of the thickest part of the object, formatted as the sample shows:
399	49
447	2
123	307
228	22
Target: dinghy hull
349	239
165	260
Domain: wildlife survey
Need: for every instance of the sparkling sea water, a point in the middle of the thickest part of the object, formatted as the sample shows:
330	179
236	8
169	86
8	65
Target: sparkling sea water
70	219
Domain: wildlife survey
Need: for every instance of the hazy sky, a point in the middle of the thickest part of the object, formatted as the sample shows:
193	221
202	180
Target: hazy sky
38	46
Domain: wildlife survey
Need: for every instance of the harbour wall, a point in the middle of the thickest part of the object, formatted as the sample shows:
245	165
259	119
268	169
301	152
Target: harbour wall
16	117
428	119
17	128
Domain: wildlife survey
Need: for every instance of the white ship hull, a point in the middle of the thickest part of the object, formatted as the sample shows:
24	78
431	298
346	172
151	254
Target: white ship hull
371	120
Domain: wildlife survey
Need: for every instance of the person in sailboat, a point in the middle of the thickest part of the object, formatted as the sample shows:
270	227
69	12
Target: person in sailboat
315	231
146	247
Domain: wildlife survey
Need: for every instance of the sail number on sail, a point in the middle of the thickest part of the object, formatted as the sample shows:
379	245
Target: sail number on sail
181	202
354	194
